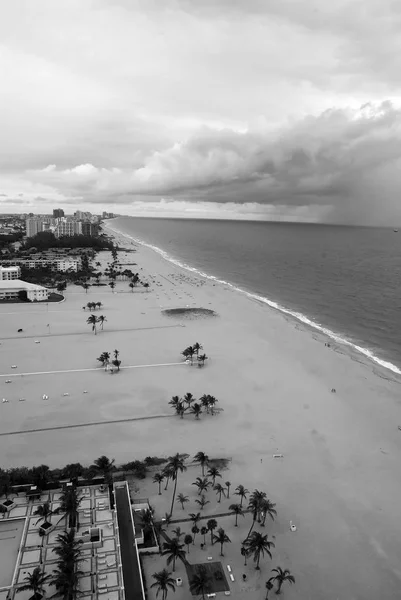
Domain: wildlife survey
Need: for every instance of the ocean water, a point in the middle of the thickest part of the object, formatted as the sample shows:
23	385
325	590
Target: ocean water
344	281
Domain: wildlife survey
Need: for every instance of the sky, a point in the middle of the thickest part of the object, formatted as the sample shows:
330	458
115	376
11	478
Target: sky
235	109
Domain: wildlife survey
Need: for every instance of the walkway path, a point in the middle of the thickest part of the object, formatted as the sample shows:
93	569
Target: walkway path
93	369
86	424
39	336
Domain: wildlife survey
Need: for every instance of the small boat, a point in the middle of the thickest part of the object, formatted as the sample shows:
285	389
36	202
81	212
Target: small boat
395	230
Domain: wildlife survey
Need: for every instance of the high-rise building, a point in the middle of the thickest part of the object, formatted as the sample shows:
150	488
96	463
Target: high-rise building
58	212
68	228
33	226
88	228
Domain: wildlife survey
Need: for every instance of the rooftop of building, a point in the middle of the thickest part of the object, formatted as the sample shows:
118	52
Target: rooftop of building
16	284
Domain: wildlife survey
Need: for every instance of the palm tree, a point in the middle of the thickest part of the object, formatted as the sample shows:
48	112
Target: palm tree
281	577
213	472
86	287
104	358
202	484
237	510
197	347
92	320
204	400
101	320
202	502
219	491
188	399
244	553
202	459
195	517
196	410
112	284
176	463
99	305
267	508
188	539
182	500
212	402
199	583
173	550
211	525
189	352
158	478
195	529
163	582
203	532
257	544
69	506
221	538
90	306
228	485
44	511
178	533
146	520
201	359
35	582
241	491
168	472
255	502
131	285
105	467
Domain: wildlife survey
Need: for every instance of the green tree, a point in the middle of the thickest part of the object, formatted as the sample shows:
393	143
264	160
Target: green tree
182	500
158	478
195	529
237	510
44	511
177	464
241	491
228	485
69	506
202	484
92	320
101	319
254	505
163	582
257	545
197	347
202	459
200	582
267	508
35	582
202	502
219	489
188	539
196	410
213	472
211	525
112	285
173	550
281	577
105	467
221	538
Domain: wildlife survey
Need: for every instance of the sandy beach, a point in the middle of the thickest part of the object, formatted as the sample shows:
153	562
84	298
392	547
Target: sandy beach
338	478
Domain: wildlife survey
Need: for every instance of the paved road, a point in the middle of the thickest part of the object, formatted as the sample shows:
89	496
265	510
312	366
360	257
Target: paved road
14	374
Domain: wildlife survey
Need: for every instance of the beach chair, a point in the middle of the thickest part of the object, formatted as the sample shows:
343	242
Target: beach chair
229	568
227	593
102	585
232	577
102	576
111	561
210	557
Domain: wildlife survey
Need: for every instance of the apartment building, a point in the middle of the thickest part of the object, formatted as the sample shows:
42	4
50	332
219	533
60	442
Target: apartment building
8	273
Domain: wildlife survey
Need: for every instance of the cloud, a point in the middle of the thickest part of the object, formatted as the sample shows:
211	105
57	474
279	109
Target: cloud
247	102
338	159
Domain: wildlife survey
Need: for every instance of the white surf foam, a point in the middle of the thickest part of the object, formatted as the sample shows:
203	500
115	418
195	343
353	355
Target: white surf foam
299	316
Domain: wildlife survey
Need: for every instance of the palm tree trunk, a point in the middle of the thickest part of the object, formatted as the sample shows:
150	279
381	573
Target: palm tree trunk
252	526
242	497
280	583
167	484
159	488
203	470
211	536
174	563
236	519
175	488
257	564
221	549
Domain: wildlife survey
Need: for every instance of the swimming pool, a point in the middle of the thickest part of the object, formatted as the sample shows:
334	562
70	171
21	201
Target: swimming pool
11	531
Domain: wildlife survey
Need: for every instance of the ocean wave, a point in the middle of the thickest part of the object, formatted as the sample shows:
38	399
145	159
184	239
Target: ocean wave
298	316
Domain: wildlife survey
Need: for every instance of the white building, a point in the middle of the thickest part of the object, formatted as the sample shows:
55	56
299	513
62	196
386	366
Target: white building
68	228
33	226
10	289
7	273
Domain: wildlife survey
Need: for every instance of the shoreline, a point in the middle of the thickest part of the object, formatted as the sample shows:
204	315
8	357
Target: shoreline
338	344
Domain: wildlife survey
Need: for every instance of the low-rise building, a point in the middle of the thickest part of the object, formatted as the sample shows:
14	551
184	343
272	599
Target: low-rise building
7	273
10	289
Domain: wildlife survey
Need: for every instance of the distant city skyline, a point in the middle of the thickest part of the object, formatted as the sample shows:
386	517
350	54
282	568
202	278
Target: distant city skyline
244	110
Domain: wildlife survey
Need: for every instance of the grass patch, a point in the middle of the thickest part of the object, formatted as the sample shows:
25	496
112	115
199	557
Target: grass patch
217	578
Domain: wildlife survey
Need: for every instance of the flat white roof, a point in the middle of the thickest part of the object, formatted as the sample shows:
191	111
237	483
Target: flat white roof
9	268
18	284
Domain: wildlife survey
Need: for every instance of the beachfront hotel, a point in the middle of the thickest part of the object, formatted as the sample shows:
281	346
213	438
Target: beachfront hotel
8	273
111	567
